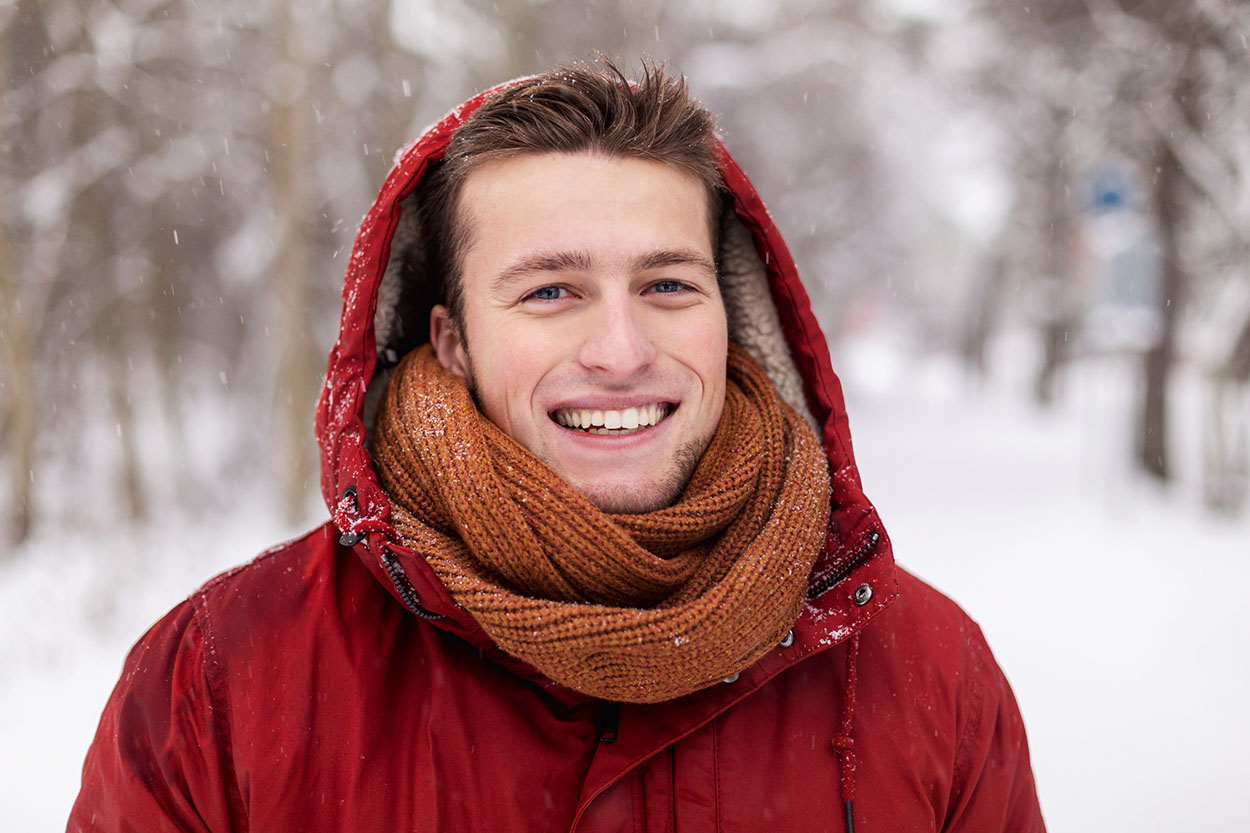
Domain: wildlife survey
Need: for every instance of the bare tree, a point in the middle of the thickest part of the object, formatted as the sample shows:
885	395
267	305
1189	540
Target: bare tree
1135	80
1226	464
291	275
18	423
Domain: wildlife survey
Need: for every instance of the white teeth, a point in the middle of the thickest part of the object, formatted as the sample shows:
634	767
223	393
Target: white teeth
613	422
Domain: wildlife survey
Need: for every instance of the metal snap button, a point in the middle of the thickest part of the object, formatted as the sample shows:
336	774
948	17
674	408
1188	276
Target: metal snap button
732	678
788	639
863	594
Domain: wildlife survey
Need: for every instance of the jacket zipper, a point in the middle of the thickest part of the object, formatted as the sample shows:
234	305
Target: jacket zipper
860	556
404	587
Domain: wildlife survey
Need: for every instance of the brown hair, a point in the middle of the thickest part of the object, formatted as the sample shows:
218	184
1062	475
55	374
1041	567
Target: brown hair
573	108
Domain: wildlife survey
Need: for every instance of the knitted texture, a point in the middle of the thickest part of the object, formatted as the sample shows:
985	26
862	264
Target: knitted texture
638	608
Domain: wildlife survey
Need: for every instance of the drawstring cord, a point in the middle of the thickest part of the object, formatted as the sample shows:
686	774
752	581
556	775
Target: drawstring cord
843	742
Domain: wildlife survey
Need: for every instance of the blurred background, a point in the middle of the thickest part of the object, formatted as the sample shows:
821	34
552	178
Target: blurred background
1025	228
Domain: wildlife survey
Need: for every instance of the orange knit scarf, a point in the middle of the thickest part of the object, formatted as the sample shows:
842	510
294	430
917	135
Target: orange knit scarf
638	608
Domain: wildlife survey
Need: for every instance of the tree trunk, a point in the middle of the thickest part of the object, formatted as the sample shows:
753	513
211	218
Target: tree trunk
298	371
121	386
21	398
164	341
18	422
1059	315
984	308
1226	449
1226	446
1152	444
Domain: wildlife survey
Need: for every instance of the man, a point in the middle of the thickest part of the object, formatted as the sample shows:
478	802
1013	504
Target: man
600	558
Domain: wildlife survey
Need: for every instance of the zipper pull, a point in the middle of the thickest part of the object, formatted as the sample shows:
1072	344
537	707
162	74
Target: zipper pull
607	719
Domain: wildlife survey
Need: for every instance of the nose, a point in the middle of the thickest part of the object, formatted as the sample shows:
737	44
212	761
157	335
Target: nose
617	341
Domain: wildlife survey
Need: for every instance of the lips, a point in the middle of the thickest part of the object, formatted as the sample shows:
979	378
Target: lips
613	422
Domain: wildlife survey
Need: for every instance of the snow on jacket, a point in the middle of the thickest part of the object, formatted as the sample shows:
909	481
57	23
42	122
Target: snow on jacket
332	684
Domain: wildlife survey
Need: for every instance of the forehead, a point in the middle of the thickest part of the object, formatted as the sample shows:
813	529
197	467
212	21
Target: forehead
591	202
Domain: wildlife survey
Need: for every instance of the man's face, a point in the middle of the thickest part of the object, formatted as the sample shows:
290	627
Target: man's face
594	331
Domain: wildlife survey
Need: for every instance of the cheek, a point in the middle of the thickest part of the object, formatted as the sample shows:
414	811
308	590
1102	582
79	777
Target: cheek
707	349
507	380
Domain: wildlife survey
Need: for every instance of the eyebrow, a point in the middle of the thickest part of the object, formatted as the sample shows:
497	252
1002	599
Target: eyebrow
541	262
582	262
674	257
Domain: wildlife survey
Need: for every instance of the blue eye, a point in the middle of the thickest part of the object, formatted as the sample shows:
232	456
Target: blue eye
668	287
547	293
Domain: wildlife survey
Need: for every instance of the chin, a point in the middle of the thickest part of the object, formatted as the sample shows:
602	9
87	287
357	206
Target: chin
633	497
620	493
616	498
621	501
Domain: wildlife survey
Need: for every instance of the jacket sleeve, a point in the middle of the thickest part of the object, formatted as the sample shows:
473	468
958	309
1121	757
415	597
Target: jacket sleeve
160	758
993	788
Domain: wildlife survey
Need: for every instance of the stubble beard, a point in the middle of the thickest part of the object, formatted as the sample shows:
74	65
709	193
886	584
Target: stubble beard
625	500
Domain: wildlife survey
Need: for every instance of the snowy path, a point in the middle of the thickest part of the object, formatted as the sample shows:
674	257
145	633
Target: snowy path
1116	609
1113	607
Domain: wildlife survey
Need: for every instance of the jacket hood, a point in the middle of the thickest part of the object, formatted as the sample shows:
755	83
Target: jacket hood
769	314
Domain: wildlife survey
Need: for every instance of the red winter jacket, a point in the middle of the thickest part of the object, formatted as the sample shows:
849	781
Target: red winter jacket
333	685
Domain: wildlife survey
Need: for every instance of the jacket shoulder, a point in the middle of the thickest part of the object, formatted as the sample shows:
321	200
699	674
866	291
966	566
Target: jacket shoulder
208	687
926	626
937	659
161	756
279	568
292	600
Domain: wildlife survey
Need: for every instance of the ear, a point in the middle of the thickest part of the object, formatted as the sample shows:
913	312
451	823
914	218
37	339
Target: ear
447	341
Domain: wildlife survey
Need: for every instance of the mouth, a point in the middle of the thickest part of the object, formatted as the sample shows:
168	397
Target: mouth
614	423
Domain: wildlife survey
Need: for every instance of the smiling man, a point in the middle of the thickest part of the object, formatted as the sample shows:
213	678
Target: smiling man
600	558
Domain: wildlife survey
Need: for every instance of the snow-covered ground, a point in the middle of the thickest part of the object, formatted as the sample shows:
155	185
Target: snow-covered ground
1111	604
